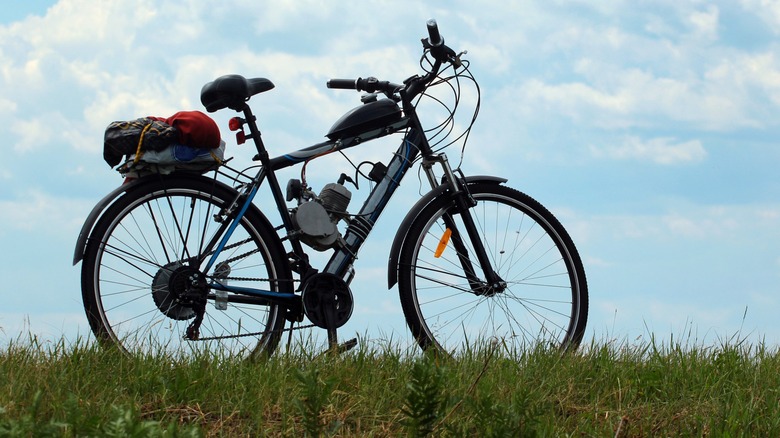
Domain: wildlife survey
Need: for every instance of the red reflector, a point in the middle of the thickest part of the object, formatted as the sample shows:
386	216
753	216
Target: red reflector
240	137
235	124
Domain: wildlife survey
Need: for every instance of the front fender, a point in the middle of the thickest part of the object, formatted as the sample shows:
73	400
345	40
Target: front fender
97	210
414	212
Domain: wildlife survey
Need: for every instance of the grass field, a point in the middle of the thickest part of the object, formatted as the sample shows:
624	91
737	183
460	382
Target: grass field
605	390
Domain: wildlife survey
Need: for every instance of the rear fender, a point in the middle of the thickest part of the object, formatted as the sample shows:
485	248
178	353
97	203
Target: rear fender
414	213
103	204
97	210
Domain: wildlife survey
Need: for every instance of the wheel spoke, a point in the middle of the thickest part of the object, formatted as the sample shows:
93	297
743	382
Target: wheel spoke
544	299
137	273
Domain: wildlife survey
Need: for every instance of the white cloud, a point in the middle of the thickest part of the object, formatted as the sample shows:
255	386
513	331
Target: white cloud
749	75
131	60
40	212
764	299
666	151
711	225
676	221
705	23
768	213
637	321
32	134
7	107
619	77
574	100
614	97
48	329
657	76
767	10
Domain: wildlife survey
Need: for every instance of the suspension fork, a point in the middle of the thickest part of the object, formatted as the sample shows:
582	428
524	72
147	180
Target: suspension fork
463	202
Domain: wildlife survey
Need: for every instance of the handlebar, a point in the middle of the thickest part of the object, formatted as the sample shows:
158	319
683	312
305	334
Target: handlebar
369	84
343	84
434	37
414	85
439	50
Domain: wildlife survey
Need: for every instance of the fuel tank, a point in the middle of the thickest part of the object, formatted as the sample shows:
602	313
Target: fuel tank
367	117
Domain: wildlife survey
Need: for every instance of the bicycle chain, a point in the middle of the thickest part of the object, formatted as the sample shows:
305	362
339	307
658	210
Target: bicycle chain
244	255
268	280
241	256
235	245
263	333
267	332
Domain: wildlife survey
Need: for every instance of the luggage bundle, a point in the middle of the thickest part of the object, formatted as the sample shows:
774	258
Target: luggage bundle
187	141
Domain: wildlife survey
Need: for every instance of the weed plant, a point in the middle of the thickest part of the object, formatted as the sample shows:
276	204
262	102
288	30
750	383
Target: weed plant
603	389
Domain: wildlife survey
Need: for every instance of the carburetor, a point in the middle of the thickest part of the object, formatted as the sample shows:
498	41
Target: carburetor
317	216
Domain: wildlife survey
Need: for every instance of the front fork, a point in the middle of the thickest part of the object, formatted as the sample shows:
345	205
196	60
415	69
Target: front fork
463	202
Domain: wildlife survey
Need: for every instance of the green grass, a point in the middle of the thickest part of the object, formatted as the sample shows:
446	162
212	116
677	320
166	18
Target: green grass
732	389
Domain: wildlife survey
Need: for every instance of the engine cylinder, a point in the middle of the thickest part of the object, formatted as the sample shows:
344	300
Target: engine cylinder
335	198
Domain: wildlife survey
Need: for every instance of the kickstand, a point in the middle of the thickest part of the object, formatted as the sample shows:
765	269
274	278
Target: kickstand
290	335
330	323
334	347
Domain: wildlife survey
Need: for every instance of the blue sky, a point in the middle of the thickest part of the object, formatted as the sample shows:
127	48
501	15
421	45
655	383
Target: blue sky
649	128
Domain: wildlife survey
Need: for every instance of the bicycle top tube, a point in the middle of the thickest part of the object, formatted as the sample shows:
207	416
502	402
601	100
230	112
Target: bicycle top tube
299	156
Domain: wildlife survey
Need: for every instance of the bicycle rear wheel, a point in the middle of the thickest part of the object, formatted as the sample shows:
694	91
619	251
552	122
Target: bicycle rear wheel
545	301
142	255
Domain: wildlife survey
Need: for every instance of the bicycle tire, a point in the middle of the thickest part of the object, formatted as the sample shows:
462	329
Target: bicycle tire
149	236
545	302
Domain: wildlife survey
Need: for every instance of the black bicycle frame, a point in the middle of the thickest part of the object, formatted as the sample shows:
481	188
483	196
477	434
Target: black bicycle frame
414	143
359	227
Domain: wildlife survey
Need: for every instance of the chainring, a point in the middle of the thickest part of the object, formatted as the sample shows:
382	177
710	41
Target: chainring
326	296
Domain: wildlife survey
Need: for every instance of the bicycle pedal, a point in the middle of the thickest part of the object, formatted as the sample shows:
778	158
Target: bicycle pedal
341	348
348	345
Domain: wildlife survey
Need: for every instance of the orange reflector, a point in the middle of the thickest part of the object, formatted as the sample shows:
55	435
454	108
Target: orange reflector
445	239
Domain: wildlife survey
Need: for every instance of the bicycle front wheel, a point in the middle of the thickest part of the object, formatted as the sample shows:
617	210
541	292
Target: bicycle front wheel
144	253
448	304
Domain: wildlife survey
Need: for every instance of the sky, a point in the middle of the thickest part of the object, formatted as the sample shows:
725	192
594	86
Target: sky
649	128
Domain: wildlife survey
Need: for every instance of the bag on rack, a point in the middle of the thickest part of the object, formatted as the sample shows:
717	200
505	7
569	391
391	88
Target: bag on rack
136	136
187	137
195	129
174	158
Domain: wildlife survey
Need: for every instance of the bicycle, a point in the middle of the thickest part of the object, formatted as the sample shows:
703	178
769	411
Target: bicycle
473	259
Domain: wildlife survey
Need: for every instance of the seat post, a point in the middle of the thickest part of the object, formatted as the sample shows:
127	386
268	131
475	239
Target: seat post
255	135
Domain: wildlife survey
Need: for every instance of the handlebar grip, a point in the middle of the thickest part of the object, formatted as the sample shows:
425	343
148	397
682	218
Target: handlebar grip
343	84
434	38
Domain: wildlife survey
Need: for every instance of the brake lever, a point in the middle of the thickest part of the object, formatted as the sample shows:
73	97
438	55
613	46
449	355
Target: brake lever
444	53
456	62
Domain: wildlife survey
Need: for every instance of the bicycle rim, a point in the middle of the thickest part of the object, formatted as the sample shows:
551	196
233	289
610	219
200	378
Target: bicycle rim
545	299
145	244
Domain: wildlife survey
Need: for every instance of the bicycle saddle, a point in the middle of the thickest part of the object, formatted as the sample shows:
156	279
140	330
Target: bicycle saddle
231	91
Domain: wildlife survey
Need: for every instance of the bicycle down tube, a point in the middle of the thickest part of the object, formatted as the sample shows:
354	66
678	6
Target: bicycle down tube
358	228
364	221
